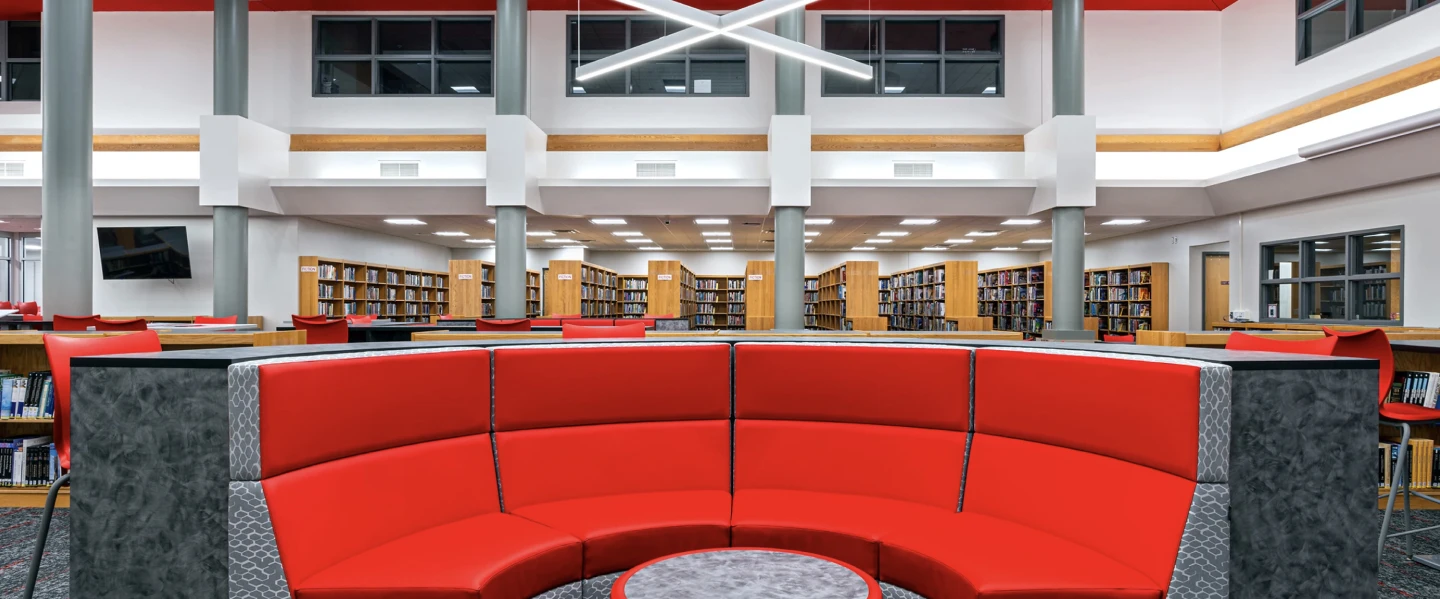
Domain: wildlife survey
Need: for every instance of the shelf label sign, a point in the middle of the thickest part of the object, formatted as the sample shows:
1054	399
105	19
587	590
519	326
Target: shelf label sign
664	277
309	269
759	277
565	277
465	276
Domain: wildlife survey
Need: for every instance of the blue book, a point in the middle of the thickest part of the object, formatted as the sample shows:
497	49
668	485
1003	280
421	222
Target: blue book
6	387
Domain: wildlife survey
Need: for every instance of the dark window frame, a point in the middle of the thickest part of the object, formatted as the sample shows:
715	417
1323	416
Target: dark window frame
1353	278
6	61
1353	23
573	58
434	56
942	56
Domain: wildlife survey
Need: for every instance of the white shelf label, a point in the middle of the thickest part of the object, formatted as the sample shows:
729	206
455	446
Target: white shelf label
757	277
565	277
664	277
465	276
309	269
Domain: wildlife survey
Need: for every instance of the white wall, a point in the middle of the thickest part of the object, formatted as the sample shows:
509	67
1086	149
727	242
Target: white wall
159	297
1149	71
1172	245
334	241
733	263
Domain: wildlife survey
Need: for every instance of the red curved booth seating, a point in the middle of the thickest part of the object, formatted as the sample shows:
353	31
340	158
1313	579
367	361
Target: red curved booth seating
923	489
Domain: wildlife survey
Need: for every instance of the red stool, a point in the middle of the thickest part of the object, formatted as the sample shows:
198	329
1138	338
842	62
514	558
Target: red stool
624	331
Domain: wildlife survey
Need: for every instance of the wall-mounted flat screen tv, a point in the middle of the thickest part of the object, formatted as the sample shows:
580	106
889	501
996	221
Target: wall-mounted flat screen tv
144	253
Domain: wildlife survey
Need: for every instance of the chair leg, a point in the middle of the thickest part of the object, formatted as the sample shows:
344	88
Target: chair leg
43	533
1395	482
1409	539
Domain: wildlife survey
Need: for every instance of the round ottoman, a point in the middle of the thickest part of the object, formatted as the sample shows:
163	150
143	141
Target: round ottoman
742	573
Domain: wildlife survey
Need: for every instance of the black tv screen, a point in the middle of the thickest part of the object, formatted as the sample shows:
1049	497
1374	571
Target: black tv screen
144	253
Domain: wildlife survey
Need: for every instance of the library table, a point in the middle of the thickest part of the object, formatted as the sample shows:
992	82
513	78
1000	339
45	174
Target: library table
1217	339
15	322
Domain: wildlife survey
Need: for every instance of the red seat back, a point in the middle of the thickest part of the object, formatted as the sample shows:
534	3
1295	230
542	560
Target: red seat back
1119	339
6	306
59	349
516	324
319	333
624	331
295	318
1373	344
359	319
232	319
75	323
589	322
28	308
133	324
31	317
1324	346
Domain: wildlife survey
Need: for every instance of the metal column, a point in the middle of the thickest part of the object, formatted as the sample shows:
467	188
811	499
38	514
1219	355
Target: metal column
231	224
790	72
1067	224
510	261
790	220
511	29
66	201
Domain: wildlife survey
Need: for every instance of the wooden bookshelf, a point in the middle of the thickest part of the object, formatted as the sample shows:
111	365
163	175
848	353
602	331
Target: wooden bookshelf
760	295
1016	297
812	302
672	289
933	297
1129	298
337	288
575	287
720	302
472	285
634	295
885	307
850	298
532	294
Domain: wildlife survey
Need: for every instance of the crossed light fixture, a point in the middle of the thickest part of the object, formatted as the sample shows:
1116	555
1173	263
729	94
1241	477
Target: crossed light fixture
734	25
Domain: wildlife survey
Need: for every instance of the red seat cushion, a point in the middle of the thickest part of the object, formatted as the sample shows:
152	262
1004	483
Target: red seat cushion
1408	412
844	527
494	556
971	556
620	531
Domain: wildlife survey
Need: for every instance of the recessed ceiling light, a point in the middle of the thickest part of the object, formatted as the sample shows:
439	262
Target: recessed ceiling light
393	221
452	233
1378	235
878	240
893	233
1387	249
934	249
715	233
652	248
607	221
1391	242
1324	250
1022	221
919	221
575	247
721	249
492	221
1005	249
539	233
982	233
1125	221
479	241
627	233
894	89
641	240
809	240
559	240
719	241
812	233
959	241
819	221
712	221
862	248
464	89
1037	241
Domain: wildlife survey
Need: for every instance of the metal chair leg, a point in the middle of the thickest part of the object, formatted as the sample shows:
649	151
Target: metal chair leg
1409	471
1395	482
44	532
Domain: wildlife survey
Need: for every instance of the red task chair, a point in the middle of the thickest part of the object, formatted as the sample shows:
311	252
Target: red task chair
624	331
232	319
31	317
1324	346
28	308
1118	339
58	350
359	319
297	319
6	306
511	325
133	324
76	323
320	333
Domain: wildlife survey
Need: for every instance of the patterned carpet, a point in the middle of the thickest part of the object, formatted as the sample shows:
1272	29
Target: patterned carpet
1399	578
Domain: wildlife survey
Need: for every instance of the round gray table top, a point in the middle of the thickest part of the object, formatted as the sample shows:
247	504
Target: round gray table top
745	574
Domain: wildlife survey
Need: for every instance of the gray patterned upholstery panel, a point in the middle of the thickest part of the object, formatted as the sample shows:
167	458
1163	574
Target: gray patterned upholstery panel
599	588
569	591
244	390
1202	567
255	569
890	591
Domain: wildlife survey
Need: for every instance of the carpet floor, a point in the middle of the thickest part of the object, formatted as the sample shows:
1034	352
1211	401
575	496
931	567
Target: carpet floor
1399	578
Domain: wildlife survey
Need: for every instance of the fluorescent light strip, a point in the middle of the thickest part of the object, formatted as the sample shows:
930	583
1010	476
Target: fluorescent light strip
653	248
1022	221
715	233
627	234
558	240
1005	249
479	241
934	249
397	221
819	221
721	249
862	249
607	221
919	221
812	233
878	240
1037	241
1125	221
640	241
539	234
719	240
893	233
659	47
452	234
959	241
712	221
982	233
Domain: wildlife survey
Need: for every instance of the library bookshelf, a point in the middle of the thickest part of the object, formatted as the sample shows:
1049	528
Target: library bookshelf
634	295
886	307
575	287
719	302
849	298
1016	297
671	289
812	302
933	297
760	295
532	294
1129	298
337	288
472	289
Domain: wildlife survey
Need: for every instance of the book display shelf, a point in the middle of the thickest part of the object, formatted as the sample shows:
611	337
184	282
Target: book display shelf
671	289
850	298
472	285
634	295
1016	297
1129	298
719	302
886	308
532	294
812	302
759	295
336	288
575	287
933	297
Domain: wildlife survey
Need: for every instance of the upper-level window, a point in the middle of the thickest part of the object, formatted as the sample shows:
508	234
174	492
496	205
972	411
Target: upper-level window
1344	277
1324	24
403	56
917	56
715	67
20	60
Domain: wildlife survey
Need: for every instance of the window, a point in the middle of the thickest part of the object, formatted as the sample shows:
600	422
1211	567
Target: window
20	60
716	67
917	56
1340	278
1325	24
403	56
29	268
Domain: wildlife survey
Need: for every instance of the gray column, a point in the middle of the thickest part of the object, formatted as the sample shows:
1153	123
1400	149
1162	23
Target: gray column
790	72
68	126
231	224
1068	56
1067	224
789	267
510	261
511	29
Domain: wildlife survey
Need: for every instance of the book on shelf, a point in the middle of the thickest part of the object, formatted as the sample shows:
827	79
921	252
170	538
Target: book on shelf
28	461
1422	461
28	396
1417	388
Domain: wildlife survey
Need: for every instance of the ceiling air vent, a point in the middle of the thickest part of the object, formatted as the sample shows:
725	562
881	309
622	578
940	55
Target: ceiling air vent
653	169
914	170
12	168
399	168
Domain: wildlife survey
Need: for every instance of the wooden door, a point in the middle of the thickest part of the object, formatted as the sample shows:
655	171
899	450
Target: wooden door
1217	289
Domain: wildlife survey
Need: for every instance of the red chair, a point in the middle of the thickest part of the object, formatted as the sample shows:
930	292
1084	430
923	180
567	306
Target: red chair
654	316
1118	339
58	350
76	323
31	317
359	319
447	317
217	319
133	324
6	306
1324	346
319	333
517	324
624	331
28	308
297	319
591	322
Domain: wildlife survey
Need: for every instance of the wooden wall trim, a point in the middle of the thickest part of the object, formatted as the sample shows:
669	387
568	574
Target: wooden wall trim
1157	143
917	143
1368	91
112	143
672	143
386	143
